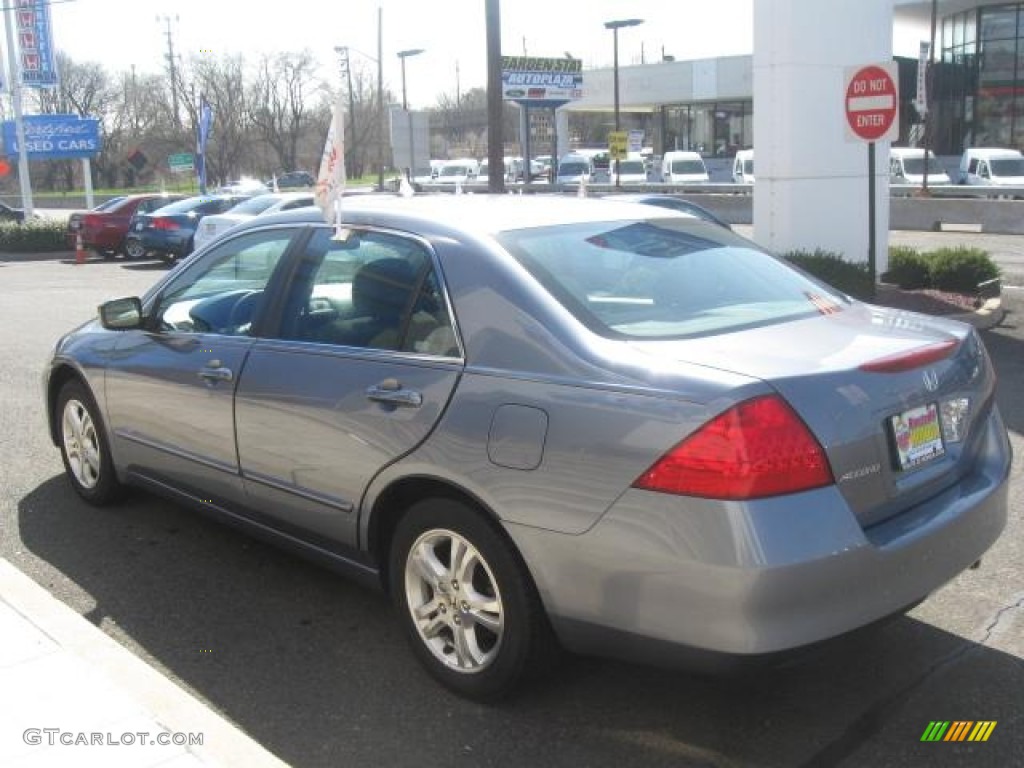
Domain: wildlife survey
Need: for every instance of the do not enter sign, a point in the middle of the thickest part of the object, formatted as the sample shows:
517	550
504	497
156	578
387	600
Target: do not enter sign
872	102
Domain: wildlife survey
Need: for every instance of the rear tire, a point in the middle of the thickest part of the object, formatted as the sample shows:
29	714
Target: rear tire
83	446
133	249
466	602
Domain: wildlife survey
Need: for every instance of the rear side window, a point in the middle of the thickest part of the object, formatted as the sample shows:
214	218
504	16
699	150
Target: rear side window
665	278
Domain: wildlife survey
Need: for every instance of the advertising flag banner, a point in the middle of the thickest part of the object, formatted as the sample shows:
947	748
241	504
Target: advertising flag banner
330	183
35	42
202	136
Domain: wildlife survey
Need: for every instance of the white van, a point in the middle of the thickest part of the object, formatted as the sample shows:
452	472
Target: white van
683	168
743	167
906	166
980	166
461	171
574	169
629	171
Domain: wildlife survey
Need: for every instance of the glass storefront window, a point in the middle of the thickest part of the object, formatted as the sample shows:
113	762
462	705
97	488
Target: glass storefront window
999	23
998	61
970	27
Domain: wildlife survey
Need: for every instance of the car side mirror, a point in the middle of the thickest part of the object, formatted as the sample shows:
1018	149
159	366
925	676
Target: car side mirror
121	314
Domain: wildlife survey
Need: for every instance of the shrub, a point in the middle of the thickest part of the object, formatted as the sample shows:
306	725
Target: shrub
960	269
853	278
908	268
35	236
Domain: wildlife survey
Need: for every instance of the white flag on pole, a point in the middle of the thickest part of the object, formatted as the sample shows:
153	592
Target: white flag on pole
330	184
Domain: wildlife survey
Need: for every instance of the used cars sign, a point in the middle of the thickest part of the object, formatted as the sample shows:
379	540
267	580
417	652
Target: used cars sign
49	137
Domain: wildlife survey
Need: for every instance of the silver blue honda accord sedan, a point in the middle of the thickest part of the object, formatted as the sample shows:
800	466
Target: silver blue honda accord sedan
544	423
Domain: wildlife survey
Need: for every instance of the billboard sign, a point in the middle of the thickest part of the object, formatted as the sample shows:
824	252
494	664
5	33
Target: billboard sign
534	81
54	137
35	42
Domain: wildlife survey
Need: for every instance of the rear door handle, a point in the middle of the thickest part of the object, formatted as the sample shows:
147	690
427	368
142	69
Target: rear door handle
214	372
391	392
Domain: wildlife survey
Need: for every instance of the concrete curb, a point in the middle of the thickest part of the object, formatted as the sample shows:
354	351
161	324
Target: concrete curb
988	315
84	646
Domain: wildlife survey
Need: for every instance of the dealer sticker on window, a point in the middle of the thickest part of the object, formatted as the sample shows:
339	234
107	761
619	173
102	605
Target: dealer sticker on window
917	435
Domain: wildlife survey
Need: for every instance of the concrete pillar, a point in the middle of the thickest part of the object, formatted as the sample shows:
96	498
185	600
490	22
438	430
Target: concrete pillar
812	183
562	127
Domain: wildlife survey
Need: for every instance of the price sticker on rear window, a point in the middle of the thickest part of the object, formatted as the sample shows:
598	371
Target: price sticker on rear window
917	435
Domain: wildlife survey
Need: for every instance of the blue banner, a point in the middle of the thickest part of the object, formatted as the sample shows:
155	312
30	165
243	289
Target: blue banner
35	42
52	137
203	134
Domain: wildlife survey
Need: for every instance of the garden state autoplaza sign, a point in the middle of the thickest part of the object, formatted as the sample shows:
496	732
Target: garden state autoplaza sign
54	137
535	81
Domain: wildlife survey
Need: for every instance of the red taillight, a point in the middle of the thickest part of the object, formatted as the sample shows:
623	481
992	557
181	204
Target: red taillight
757	448
161	223
915	358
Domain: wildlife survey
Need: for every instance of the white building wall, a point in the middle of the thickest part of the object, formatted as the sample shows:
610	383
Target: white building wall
812	183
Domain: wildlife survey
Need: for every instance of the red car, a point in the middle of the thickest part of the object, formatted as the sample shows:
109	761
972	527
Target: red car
104	228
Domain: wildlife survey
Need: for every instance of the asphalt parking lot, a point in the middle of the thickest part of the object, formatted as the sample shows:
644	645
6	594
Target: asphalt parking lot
315	669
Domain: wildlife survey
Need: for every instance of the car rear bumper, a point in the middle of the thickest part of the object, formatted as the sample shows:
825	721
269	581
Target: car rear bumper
757	578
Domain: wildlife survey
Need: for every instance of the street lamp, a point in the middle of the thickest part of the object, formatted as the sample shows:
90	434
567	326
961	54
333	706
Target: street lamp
615	26
403	55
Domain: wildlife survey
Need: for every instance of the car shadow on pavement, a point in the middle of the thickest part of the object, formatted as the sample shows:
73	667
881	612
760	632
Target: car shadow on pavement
315	668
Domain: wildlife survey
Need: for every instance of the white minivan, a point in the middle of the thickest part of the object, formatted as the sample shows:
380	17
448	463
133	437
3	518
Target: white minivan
981	166
906	166
743	167
683	168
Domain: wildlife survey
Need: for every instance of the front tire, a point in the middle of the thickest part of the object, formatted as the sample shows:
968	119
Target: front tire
83	446
467	604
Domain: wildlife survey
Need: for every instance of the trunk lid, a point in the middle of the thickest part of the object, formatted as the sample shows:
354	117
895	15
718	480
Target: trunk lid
892	396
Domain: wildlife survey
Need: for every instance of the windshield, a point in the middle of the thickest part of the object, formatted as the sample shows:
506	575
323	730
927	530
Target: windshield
665	278
1007	166
572	168
632	166
690	167
255	205
748	167
454	170
110	204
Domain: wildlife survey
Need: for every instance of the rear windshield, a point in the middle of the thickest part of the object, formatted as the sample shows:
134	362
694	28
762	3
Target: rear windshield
665	278
186	205
255	205
690	167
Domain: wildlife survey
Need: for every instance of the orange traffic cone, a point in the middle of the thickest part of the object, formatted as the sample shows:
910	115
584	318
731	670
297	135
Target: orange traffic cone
80	256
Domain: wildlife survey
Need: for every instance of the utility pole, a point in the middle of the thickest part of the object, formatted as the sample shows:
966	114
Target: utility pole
495	104
351	143
172	67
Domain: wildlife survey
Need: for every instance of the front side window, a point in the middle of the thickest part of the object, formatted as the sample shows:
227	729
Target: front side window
665	278
223	292
374	290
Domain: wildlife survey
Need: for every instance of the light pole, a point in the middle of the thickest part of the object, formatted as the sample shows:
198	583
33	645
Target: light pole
403	55
615	26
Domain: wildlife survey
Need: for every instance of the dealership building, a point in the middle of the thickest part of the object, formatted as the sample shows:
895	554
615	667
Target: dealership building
976	93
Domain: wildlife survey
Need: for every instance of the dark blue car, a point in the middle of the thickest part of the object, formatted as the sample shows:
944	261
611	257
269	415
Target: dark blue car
168	231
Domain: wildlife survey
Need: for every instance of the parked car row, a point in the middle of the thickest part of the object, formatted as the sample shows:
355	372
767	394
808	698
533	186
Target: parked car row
168	225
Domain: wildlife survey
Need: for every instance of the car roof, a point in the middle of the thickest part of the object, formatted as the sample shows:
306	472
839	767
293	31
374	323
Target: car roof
479	214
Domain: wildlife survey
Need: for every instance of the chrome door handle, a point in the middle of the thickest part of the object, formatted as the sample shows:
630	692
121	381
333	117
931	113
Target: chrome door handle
390	392
215	372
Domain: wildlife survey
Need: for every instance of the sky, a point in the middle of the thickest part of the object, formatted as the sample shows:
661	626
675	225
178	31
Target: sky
120	33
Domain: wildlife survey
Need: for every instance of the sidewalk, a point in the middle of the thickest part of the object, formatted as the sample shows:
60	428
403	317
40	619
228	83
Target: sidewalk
72	696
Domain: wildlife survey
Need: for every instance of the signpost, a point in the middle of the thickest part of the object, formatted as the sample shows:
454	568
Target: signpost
618	145
872	105
183	162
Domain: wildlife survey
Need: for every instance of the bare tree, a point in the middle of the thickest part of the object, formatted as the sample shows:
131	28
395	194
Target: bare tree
277	102
222	83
